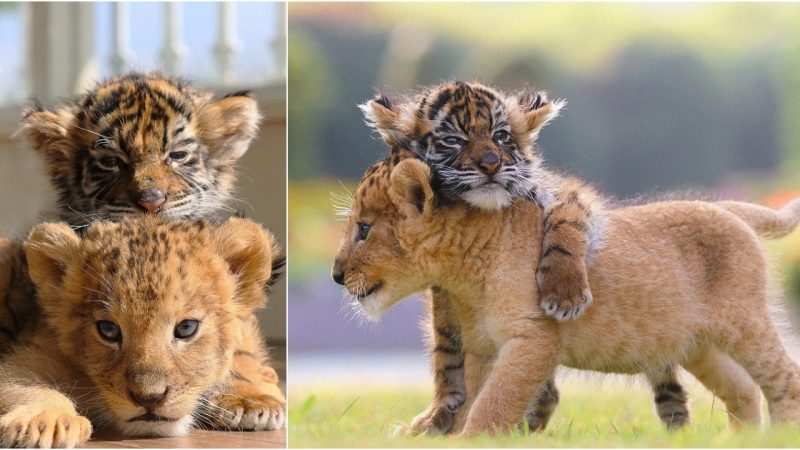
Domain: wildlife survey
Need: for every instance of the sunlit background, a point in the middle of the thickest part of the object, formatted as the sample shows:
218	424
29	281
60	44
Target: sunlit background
53	51
661	98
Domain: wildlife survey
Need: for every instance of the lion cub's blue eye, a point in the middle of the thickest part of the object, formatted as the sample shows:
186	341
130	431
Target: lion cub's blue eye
363	230
109	330
186	329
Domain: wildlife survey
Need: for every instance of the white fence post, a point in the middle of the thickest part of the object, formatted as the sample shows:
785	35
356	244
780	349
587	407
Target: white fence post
228	45
121	55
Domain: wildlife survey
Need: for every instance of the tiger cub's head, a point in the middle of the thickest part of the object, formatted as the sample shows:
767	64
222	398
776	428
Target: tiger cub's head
478	140
142	143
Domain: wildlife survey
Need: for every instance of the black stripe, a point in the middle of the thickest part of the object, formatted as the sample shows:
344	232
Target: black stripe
457	366
440	101
556	248
446	349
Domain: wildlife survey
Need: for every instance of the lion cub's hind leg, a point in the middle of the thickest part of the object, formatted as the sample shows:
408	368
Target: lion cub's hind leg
572	229
731	383
672	401
756	345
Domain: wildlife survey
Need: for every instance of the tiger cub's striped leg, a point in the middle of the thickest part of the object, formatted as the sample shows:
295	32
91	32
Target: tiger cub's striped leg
542	407
572	229
251	400
672	401
447	362
16	293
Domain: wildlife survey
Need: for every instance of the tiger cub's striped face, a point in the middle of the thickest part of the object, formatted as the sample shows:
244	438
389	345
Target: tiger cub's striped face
478	141
142	143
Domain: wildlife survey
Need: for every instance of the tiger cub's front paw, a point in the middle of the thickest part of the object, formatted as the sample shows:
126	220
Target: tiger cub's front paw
249	407
43	427
564	291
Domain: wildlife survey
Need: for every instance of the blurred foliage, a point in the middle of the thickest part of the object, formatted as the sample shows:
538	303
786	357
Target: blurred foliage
661	96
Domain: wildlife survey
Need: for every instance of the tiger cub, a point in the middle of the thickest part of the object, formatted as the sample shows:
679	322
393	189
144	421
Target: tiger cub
481	146
144	143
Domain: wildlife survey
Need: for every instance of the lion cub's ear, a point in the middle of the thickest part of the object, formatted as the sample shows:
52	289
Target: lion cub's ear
538	110
228	126
249	251
383	114
411	189
50	249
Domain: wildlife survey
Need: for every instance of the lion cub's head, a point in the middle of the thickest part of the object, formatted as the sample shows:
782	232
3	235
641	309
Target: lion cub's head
381	256
149	310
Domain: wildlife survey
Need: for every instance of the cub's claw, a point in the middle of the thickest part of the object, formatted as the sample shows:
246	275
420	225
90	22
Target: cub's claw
564	292
39	427
434	421
252	413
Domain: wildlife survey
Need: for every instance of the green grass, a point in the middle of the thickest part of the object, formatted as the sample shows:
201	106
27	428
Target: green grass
590	415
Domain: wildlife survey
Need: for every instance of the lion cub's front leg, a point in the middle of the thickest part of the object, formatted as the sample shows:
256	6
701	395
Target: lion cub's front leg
447	362
572	229
252	399
34	415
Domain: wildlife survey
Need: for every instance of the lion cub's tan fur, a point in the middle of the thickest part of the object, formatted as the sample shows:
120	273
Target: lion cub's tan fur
679	283
146	275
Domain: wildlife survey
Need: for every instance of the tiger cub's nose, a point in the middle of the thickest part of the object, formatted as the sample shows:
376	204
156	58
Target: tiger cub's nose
151	200
489	163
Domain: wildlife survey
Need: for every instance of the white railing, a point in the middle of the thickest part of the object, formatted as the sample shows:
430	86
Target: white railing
62	59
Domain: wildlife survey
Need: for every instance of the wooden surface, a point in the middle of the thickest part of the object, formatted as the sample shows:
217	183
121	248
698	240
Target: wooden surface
207	438
196	439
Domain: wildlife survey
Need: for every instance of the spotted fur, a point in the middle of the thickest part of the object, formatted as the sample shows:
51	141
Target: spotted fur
145	277
680	284
141	143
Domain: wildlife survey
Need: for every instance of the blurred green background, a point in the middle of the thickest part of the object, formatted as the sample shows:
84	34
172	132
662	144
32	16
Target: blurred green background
662	97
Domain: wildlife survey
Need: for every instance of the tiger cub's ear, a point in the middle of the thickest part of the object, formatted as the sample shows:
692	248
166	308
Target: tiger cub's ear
411	189
50	249
383	114
249	251
538	110
46	132
228	125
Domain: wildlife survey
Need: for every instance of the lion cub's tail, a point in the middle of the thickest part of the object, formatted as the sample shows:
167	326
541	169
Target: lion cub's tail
766	222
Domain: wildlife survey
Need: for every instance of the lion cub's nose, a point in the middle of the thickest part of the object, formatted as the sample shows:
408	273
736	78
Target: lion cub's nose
337	273
149	400
489	163
151	200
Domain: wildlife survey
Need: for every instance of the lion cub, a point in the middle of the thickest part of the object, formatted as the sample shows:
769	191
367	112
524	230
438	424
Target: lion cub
680	284
138	328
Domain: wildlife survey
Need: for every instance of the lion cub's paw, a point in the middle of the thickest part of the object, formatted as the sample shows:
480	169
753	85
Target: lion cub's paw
564	293
43	427
252	413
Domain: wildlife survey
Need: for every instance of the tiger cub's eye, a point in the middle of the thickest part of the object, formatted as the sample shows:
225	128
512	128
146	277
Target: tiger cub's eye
454	140
178	155
502	137
110	162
